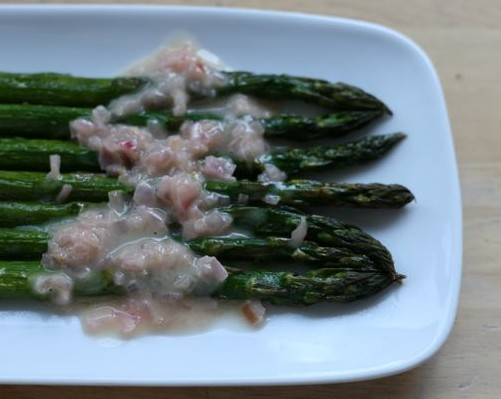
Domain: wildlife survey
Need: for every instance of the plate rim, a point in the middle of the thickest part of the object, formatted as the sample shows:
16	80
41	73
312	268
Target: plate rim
440	336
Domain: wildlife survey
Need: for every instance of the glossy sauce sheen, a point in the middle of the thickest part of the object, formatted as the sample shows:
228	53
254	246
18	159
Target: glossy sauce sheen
131	239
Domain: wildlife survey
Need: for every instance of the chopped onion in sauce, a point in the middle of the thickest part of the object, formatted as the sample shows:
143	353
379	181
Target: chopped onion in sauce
131	238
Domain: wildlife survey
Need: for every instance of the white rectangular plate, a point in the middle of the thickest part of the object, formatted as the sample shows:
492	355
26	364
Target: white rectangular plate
389	334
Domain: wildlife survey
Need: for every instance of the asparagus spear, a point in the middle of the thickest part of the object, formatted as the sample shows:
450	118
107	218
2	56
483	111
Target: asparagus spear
35	186
17	277
33	154
36	213
24	243
311	192
280	221
293	127
60	89
321	285
282	288
258	221
294	160
52	121
63	89
38	121
339	276
317	91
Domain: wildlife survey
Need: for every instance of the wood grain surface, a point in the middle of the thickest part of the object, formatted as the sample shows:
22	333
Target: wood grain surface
463	39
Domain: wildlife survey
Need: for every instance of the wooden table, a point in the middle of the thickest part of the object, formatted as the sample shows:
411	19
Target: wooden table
463	38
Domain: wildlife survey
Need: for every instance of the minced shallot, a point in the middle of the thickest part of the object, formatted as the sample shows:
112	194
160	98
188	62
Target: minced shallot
299	233
131	239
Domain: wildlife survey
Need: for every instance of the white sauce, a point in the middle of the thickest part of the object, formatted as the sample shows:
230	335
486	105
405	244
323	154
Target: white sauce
130	241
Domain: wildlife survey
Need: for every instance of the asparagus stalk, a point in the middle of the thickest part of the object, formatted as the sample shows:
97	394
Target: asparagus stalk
258	221
61	89
38	121
17	277
35	186
317	91
321	285
33	154
294	160
52	121
340	276
293	127
311	192
281	288
325	231
24	243
36	213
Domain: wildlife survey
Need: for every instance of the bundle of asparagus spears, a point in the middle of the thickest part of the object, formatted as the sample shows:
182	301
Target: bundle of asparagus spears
343	263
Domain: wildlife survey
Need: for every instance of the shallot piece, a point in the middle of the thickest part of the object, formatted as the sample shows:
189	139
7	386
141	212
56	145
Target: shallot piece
254	312
57	286
299	233
55	167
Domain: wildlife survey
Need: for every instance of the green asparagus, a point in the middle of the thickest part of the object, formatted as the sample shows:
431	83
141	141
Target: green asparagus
36	186
33	154
316	91
63	89
321	285
16	282
24	243
257	221
280	221
294	160
281	288
60	89
311	192
52	121
343	262
36	213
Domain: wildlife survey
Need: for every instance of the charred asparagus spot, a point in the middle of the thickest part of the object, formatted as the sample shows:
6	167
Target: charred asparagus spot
52	121
282	288
61	89
33	154
35	186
